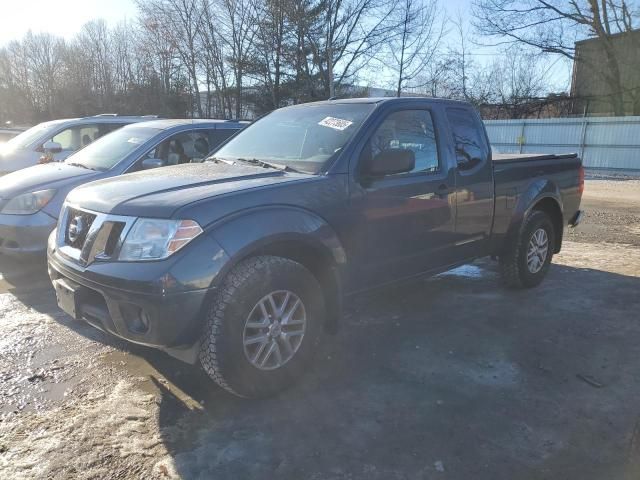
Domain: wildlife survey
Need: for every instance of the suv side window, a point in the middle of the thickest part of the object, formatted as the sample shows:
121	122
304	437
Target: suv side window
77	137
411	130
471	147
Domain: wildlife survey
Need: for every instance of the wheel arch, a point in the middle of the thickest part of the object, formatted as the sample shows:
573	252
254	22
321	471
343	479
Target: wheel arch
543	195
551	207
292	233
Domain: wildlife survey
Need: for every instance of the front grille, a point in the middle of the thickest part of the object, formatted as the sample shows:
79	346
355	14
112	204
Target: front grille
85	236
77	227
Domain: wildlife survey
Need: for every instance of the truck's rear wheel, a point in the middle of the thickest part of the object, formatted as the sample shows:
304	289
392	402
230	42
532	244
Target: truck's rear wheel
526	263
262	326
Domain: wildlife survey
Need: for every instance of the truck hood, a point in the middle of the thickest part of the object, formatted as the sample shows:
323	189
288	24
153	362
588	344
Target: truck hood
159	193
43	177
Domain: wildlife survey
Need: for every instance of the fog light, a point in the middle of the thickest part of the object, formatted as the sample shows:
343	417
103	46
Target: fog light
136	319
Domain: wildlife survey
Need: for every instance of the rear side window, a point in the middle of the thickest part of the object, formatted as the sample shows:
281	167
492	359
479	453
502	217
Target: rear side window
184	147
77	137
470	144
408	130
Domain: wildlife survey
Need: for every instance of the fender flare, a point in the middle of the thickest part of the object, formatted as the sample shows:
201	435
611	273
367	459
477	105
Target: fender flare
250	230
536	191
277	229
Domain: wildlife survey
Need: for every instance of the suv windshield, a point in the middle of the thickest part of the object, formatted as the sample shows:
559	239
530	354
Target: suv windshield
27	137
305	137
107	152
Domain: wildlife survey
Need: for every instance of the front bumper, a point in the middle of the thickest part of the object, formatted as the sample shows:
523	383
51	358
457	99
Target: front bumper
25	234
141	304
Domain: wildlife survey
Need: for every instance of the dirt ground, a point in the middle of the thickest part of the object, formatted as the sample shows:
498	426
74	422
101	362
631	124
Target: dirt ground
448	378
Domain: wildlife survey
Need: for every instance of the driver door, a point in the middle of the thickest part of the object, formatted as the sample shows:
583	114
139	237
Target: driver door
408	219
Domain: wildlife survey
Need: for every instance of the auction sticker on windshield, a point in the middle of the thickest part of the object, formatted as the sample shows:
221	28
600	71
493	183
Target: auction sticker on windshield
335	123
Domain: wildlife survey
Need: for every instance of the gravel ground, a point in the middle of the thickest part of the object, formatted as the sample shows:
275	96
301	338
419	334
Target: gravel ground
447	378
612	207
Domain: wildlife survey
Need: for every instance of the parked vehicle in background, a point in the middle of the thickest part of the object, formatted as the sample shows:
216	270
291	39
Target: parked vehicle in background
57	139
242	261
7	134
30	199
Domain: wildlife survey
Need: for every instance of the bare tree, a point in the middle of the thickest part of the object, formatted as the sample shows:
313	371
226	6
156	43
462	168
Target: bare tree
420	28
238	19
180	21
213	47
551	26
346	36
44	57
94	48
462	63
271	44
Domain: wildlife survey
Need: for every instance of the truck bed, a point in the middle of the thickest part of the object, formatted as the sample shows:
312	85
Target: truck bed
524	157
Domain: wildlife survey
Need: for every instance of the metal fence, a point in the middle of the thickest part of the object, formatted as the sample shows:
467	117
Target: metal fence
602	142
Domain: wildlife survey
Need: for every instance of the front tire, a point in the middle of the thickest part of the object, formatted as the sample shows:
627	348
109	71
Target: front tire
526	263
262	326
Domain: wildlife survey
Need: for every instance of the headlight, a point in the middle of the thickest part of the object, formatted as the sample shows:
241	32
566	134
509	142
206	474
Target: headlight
28	203
152	239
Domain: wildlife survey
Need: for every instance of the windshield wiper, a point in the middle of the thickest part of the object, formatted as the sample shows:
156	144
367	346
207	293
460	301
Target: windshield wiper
73	164
218	160
262	163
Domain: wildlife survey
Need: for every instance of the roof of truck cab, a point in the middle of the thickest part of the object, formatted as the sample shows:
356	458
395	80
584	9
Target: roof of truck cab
169	123
380	100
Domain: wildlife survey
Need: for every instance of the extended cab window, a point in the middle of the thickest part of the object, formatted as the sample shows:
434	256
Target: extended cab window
409	130
471	147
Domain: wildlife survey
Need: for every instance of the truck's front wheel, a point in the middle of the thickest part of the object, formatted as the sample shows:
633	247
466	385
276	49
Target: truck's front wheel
262	326
525	264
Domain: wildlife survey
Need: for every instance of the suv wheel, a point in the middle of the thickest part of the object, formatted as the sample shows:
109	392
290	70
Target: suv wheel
526	263
262	326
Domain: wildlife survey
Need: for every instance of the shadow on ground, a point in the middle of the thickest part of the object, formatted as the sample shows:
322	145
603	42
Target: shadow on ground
27	279
451	377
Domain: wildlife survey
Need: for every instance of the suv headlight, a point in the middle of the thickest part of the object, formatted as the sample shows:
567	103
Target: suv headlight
154	239
28	203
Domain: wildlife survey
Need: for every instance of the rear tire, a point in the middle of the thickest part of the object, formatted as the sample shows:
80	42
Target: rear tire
526	263
262	327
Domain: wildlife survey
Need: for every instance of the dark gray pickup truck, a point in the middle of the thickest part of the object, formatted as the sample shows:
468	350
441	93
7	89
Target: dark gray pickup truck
243	261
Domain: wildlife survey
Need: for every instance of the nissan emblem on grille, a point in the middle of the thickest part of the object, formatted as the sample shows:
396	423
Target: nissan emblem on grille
76	228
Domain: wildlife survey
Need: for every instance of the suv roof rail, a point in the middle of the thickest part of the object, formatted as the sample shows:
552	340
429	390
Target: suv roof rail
114	115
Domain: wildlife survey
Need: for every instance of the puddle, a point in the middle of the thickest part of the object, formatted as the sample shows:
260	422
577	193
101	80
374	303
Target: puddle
466	271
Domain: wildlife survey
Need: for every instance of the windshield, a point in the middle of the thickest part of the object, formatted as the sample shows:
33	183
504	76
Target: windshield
27	137
305	137
108	151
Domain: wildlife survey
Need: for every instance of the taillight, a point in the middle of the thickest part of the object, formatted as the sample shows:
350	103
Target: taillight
581	180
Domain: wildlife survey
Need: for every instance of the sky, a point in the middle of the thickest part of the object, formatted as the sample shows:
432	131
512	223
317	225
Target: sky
61	17
66	17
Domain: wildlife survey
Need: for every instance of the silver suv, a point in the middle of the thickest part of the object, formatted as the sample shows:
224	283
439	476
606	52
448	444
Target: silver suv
58	139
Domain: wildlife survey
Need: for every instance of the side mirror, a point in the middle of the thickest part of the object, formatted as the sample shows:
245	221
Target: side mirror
149	163
391	162
52	147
